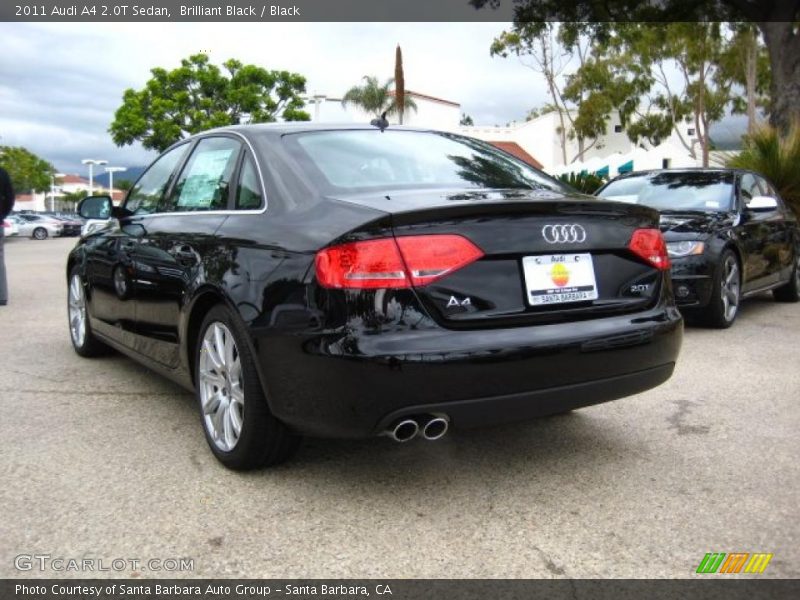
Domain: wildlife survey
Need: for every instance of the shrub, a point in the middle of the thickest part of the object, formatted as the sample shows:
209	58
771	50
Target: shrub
775	157
583	182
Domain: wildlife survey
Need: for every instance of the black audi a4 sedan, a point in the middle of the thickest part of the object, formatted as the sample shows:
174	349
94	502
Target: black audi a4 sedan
352	282
728	233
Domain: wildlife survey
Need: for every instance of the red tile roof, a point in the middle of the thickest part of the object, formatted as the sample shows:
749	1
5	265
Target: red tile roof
516	150
70	178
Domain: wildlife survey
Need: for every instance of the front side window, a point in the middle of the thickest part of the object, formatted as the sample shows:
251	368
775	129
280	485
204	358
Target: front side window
749	187
706	191
204	183
148	194
365	159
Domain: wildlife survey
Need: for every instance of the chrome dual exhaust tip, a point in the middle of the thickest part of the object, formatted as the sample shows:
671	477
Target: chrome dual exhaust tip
427	426
404	430
435	428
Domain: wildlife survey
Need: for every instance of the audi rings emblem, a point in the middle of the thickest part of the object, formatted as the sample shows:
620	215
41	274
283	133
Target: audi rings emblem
564	234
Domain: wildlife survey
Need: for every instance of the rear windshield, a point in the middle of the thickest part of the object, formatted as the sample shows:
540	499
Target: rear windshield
364	160
707	191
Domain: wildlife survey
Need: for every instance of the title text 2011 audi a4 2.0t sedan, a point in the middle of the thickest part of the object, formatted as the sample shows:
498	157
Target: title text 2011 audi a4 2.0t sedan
353	281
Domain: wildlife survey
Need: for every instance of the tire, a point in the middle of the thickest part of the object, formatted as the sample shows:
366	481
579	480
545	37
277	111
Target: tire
40	233
229	393
80	330
726	294
791	291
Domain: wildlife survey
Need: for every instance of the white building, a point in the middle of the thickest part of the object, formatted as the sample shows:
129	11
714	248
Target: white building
63	184
540	138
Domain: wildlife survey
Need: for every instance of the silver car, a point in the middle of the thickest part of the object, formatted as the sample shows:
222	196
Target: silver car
37	227
10	227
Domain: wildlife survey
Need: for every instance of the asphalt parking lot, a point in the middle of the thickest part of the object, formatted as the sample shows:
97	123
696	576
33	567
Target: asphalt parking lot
101	458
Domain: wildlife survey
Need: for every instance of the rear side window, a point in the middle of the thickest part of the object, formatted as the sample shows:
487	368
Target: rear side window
204	183
147	195
248	192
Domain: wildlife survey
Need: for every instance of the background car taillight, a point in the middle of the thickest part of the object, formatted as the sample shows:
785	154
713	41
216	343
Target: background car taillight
394	262
649	244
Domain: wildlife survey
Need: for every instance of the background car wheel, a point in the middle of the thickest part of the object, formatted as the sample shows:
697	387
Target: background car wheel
80	331
40	233
239	427
791	291
725	295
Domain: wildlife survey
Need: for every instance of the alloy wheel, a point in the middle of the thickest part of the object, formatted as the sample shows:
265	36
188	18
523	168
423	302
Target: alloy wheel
221	390
729	288
77	311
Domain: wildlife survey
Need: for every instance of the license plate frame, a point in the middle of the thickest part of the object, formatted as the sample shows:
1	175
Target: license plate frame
547	284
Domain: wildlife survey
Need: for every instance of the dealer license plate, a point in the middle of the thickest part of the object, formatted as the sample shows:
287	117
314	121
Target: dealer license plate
559	278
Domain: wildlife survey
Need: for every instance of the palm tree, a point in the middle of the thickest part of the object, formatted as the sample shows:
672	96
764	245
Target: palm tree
374	98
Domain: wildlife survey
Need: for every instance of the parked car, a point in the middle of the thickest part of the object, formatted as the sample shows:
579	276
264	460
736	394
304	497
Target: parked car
728	232
38	227
71	226
10	227
355	282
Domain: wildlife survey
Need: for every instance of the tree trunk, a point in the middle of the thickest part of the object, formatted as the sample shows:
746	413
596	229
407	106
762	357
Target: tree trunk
783	47
750	74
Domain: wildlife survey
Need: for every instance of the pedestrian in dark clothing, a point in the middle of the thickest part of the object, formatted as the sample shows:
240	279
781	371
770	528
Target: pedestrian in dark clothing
6	204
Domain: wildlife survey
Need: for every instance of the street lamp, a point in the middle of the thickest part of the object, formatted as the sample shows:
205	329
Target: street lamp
111	171
92	162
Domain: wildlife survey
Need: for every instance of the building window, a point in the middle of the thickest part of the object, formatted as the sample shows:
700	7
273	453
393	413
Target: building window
690	131
666	163
617	128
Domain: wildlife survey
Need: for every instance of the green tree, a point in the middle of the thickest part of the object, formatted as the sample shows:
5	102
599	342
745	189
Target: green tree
123	184
28	172
199	95
555	51
746	63
466	120
644	56
375	98
777	22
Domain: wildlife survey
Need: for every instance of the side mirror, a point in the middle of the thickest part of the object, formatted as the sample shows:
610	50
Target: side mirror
96	207
762	204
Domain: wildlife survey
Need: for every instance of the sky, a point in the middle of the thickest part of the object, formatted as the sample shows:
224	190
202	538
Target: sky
61	83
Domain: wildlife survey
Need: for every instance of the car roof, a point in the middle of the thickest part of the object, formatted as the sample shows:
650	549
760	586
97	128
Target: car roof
303	126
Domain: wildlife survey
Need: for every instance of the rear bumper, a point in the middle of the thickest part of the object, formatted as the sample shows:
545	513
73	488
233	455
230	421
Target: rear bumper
352	385
528	405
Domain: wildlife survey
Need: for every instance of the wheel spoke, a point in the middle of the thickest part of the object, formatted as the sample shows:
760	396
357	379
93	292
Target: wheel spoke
212	402
236	418
219	344
212	355
227	424
211	378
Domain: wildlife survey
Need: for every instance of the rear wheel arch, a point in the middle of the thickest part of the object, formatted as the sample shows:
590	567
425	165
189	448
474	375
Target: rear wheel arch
204	301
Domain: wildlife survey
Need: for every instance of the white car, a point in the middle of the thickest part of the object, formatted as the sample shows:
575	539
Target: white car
10	227
38	227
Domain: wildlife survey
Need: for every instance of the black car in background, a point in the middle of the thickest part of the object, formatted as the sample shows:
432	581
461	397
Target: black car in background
728	233
355	282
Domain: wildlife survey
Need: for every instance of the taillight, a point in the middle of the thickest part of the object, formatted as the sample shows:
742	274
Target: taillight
400	262
649	245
